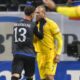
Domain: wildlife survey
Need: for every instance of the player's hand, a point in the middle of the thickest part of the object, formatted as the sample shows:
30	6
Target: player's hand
57	58
50	4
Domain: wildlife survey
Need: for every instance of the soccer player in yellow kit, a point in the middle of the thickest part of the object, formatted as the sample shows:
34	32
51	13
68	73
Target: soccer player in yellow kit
64	10
48	52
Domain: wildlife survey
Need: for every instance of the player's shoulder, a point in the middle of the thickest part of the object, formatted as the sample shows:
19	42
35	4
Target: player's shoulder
50	21
25	21
22	20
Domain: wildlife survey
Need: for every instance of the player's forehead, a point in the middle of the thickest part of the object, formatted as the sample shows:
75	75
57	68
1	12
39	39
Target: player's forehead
38	9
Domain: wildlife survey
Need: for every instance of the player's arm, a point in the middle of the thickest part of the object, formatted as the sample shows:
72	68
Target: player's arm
69	11
59	39
57	36
64	10
39	32
50	4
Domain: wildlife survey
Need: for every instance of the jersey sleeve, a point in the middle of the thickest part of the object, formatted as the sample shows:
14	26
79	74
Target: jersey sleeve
69	11
58	37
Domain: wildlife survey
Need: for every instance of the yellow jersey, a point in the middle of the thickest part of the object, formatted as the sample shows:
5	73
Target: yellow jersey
50	29
69	11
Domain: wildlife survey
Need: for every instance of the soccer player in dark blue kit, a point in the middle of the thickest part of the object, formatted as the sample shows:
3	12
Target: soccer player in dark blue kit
24	54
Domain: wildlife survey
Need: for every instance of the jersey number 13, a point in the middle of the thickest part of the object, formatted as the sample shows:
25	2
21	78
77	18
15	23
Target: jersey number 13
20	34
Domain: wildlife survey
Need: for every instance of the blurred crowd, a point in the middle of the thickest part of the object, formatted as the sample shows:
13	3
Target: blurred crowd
18	5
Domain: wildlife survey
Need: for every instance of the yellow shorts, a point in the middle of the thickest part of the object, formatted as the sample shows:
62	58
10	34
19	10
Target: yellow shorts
46	64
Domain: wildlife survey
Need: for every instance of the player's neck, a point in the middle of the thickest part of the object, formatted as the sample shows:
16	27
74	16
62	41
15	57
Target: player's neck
28	18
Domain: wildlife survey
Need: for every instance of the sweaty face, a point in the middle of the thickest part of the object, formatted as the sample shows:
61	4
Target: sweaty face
39	13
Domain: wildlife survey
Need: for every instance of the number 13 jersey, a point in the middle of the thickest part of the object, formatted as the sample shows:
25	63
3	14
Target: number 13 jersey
23	36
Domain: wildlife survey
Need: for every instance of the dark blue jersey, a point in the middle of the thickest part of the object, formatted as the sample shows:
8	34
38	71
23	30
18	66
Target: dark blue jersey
23	36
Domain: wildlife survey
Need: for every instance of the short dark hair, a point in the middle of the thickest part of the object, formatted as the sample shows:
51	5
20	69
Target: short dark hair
29	10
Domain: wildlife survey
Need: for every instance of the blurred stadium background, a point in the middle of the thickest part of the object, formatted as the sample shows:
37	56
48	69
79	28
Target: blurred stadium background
69	66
